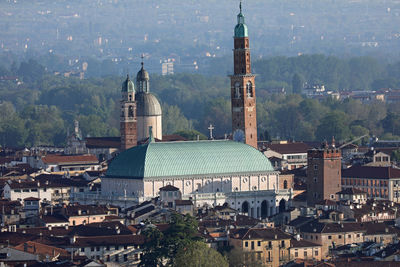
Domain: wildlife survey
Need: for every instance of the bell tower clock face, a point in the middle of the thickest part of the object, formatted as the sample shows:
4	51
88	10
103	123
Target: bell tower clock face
238	136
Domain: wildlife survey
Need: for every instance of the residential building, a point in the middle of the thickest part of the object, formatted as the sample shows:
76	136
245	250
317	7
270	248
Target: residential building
270	246
292	155
378	182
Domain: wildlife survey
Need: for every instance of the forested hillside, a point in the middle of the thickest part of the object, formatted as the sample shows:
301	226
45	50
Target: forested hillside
40	110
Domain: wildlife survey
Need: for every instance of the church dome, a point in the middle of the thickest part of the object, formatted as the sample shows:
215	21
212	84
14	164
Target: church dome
142	75
189	158
128	86
147	105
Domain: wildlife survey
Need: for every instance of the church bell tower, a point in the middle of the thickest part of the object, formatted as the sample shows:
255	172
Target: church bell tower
128	119
243	97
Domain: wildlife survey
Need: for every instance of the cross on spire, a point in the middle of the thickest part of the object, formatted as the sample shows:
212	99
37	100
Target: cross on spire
240	6
211	128
142	57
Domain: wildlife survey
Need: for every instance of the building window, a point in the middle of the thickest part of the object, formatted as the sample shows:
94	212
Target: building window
125	257
340	236
305	253
246	244
329	237
249	89
237	90
116	258
316	253
285	184
82	249
315	167
296	254
259	243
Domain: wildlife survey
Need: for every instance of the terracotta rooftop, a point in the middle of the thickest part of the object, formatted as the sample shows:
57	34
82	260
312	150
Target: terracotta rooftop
42	249
61	159
289	148
371	172
103	142
259	233
294	243
109	240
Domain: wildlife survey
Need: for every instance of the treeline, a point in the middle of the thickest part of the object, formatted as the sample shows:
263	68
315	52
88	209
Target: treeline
40	110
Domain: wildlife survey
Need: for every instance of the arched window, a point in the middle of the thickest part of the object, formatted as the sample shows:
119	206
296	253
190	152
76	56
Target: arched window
249	89
285	184
130	97
130	112
237	90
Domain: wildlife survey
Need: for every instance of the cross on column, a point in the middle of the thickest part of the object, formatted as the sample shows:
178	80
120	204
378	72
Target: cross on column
211	128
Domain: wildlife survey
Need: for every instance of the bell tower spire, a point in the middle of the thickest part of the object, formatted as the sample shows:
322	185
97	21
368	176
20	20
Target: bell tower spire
128	119
243	96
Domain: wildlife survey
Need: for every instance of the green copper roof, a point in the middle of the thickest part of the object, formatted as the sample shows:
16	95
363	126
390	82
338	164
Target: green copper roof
128	86
241	27
187	159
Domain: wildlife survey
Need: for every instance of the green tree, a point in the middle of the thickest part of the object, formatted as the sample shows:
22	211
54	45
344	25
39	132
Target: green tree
161	249
174	120
297	83
333	124
191	134
199	254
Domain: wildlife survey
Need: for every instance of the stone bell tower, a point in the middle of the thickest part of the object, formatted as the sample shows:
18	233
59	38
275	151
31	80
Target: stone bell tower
243	97
128	119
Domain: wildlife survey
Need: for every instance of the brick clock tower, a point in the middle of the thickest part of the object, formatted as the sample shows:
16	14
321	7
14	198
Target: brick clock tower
323	173
128	119
243	97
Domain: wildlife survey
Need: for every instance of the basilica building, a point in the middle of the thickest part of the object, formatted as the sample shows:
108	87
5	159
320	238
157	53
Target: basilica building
213	172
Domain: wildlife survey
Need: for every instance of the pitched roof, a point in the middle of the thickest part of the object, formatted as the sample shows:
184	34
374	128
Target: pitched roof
103	142
371	172
62	159
109	240
294	243
289	148
41	249
259	233
169	188
188	158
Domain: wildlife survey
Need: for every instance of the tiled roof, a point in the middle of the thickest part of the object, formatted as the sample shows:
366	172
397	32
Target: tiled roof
78	210
289	148
259	233
183	202
294	243
109	240
103	142
188	158
371	172
169	188
42	249
61	159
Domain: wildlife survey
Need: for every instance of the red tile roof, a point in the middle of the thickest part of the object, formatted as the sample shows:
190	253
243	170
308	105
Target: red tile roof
42	249
103	142
289	148
371	172
61	159
109	240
